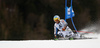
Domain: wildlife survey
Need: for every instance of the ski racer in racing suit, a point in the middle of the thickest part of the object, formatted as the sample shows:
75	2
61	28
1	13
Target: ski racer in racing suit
61	25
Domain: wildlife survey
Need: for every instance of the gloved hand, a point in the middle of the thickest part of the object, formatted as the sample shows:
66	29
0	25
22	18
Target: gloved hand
63	28
55	36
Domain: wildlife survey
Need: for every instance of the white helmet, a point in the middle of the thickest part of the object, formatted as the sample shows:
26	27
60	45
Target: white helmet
56	17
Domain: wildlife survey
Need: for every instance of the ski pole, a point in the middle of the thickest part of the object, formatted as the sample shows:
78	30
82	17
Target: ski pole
83	31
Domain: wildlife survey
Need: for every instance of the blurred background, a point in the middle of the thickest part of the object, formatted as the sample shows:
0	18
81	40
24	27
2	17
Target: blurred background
33	19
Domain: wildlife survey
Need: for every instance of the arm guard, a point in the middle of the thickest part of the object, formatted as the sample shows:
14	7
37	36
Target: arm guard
55	30
65	23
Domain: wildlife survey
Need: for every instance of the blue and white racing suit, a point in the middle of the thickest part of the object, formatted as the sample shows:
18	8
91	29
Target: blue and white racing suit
59	26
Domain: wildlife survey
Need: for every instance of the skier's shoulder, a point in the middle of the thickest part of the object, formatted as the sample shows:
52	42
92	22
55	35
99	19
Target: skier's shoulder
55	24
62	20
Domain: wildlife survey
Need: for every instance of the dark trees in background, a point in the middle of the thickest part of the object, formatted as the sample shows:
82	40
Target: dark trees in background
33	19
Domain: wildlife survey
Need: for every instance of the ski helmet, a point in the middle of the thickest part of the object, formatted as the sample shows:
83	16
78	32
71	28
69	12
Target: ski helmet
56	17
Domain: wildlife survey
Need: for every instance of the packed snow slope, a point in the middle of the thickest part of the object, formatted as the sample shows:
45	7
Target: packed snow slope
89	43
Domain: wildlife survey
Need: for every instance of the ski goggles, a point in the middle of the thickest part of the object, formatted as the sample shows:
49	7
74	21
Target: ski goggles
56	19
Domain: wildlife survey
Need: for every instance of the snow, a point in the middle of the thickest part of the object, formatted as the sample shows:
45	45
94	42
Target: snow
88	43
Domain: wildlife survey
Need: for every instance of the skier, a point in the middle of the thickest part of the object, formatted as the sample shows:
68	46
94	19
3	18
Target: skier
63	28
